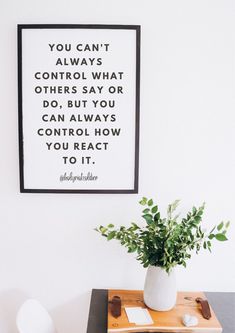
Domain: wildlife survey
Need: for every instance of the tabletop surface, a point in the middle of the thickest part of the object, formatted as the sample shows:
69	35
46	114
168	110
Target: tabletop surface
222	303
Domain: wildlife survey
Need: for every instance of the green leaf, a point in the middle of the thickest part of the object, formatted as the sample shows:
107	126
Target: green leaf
211	236
150	202
132	248
103	229
154	209
221	237
220	226
202	208
174	205
197	219
134	226
227	224
111	235
143	201
148	218
146	210
157	217
110	225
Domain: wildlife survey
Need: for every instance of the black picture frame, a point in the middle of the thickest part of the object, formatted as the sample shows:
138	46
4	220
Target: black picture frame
23	188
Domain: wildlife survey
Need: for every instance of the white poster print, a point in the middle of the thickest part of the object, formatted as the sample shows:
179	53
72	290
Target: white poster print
79	109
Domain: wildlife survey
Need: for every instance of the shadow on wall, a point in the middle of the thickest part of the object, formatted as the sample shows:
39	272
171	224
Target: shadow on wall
10	302
72	316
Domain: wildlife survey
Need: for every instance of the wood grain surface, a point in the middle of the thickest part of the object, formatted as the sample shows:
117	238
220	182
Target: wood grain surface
164	322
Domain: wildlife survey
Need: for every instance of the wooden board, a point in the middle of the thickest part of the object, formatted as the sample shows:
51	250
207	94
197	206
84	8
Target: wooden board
164	322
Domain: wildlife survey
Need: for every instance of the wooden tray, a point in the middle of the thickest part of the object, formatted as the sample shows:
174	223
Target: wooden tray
164	322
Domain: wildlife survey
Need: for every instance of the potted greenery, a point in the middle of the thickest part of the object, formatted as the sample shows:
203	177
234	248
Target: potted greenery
163	243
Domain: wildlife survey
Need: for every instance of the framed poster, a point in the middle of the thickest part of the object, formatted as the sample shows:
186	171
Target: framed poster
79	108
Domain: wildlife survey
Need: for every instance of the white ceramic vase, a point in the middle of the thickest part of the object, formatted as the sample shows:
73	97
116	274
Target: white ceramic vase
160	289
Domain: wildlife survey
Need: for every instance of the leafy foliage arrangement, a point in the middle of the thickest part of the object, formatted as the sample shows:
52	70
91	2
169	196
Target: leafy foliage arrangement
165	242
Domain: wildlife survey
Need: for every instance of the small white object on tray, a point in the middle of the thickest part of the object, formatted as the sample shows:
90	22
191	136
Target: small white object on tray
138	316
189	320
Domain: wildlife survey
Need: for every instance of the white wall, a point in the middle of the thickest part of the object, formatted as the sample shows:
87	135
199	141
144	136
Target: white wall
48	248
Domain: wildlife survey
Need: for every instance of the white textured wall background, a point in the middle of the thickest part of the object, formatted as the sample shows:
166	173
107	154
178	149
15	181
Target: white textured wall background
48	248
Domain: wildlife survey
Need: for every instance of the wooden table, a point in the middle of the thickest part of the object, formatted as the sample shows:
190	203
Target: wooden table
223	304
